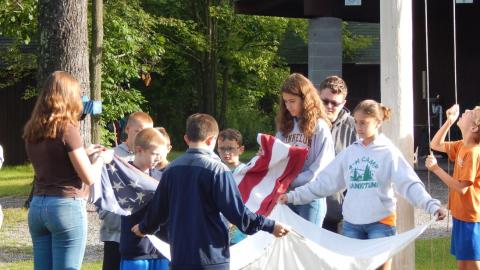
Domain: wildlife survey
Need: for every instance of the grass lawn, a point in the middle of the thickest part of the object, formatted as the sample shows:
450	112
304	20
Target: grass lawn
16	180
29	265
434	254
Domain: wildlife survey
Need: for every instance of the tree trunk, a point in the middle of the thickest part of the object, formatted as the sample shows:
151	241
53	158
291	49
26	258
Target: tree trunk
208	65
223	106
96	64
64	44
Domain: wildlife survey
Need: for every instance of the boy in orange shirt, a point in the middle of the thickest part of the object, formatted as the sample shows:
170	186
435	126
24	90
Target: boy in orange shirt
464	197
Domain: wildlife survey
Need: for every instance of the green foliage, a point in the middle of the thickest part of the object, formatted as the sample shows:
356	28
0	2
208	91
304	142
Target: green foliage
18	19
131	47
17	23
247	66
189	48
352	43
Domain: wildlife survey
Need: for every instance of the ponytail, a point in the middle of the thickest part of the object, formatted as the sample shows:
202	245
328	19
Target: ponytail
374	109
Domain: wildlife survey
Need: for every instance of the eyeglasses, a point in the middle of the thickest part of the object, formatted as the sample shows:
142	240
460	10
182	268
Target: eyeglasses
227	149
332	102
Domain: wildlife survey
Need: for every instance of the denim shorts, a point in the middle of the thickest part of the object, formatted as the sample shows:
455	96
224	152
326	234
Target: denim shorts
368	231
314	211
465	242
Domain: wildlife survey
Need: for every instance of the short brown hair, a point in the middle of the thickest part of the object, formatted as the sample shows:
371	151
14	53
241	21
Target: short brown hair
201	126
163	131
231	134
139	117
374	109
148	138
336	84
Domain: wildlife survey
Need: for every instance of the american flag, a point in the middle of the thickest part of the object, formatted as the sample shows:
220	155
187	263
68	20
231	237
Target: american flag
268	175
122	189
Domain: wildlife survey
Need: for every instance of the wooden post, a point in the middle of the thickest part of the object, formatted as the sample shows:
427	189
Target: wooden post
396	92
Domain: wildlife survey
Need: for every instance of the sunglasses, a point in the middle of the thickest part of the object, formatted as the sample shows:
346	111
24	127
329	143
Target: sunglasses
332	102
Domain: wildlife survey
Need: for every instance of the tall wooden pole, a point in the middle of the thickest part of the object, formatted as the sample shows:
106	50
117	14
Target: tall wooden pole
396	92
96	64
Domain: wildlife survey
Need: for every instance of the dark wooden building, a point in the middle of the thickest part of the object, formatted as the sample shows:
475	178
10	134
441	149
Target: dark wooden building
14	113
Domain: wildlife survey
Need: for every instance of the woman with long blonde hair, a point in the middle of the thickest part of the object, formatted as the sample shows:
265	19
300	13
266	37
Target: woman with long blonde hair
302	121
57	217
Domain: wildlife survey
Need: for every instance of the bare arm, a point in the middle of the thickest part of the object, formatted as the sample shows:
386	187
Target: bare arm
438	141
457	185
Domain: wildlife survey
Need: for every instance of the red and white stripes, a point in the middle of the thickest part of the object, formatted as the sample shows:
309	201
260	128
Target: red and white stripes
268	175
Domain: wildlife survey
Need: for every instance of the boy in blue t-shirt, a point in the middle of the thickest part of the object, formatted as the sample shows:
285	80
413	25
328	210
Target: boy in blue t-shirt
195	190
138	253
110	226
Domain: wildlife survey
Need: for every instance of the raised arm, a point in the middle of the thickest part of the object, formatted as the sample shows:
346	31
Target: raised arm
457	185
438	141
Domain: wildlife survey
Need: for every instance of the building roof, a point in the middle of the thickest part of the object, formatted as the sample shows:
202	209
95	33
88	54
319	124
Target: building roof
360	10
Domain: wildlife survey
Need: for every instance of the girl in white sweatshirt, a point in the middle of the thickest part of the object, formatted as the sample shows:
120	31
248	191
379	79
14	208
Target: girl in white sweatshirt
302	121
371	169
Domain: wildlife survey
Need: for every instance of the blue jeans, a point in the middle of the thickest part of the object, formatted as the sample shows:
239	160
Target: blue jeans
314	212
58	226
368	231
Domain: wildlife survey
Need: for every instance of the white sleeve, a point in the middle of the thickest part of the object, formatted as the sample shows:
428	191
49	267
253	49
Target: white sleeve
1	156
322	149
329	181
409	185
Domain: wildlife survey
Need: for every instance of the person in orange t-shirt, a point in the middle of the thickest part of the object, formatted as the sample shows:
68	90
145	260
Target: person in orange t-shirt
464	196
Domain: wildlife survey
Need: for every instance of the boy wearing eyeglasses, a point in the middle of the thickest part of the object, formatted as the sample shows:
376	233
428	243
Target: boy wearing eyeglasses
230	148
333	93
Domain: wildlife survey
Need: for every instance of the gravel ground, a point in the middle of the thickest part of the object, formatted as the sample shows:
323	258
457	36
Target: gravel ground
94	249
21	236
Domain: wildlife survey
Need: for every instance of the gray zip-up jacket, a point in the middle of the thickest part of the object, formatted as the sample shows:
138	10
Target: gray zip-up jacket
344	134
343	131
320	151
371	174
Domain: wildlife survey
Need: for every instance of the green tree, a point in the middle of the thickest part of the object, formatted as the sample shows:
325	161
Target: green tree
367	174
18	23
217	62
132	47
